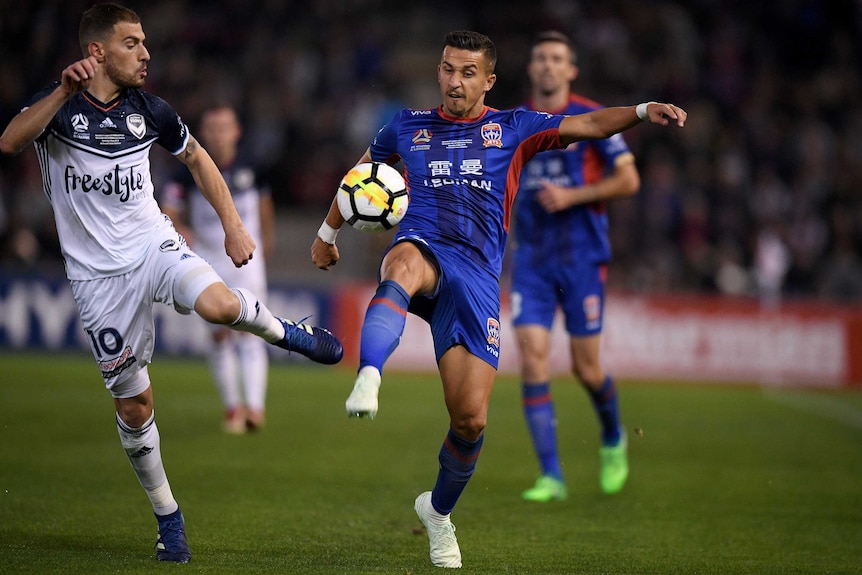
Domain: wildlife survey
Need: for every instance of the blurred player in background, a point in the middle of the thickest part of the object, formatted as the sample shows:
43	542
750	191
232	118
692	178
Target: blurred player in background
561	251
93	130
462	162
238	361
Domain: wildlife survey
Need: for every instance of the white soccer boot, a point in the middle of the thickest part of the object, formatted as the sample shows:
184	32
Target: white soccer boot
362	401
441	533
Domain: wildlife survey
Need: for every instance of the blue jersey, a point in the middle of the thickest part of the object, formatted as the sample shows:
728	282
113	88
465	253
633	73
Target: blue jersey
580	233
462	176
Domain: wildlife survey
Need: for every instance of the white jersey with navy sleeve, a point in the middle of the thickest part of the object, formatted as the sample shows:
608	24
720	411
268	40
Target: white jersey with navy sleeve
463	175
95	166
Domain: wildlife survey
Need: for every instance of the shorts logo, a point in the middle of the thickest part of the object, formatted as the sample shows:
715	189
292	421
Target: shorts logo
169	246
592	309
115	366
137	126
493	327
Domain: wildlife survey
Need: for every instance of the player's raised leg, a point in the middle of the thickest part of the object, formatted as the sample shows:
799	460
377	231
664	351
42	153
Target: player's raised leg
405	271
241	310
384	323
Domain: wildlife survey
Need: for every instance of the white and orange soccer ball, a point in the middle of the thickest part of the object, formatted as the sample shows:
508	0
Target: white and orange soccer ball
372	197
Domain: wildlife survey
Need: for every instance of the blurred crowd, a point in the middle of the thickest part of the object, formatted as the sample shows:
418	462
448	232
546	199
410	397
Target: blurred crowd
760	195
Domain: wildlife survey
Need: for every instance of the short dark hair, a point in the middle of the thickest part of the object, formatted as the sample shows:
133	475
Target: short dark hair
474	42
556	36
99	21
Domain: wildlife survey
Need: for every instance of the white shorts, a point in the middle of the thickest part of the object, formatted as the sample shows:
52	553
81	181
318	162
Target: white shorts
117	312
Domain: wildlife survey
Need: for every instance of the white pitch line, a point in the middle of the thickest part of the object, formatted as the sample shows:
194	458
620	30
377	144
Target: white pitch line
828	407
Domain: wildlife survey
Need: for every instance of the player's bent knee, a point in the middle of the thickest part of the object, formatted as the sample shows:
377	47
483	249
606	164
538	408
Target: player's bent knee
218	304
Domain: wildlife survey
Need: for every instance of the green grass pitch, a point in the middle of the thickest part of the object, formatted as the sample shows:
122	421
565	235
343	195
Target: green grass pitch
724	479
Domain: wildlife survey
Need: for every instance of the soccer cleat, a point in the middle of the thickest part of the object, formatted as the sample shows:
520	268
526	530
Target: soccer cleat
546	489
172	544
615	466
315	343
362	401
441	533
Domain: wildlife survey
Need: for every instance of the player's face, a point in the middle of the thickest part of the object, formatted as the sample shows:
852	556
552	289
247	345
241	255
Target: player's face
125	56
464	79
550	68
220	132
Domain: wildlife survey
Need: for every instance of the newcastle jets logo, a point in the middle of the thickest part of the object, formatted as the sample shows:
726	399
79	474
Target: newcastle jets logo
137	126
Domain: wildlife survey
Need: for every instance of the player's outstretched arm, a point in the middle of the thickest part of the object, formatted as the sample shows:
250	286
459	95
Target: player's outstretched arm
29	123
606	122
324	252
238	244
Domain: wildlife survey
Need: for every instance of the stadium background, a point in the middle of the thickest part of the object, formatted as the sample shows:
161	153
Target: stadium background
754	210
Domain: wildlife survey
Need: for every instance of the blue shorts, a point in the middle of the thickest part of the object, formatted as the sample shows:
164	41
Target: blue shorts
465	308
579	291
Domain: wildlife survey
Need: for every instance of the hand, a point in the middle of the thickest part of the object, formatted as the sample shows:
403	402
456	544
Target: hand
239	246
661	114
324	255
554	198
77	76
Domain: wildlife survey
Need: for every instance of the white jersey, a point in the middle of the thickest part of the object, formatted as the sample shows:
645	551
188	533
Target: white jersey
181	194
95	166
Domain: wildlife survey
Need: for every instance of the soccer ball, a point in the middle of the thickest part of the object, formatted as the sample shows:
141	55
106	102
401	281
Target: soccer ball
372	197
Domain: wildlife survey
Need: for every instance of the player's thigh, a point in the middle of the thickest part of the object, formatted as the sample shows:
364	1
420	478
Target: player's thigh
411	267
533	296
179	276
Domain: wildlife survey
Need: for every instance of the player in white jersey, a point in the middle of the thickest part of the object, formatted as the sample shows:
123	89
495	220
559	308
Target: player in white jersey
93	131
238	361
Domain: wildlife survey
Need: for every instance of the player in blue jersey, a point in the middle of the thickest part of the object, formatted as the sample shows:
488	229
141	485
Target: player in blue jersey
93	131
462	161
560	217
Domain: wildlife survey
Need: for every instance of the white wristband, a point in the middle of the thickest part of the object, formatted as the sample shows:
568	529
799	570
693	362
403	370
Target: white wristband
327	233
641	110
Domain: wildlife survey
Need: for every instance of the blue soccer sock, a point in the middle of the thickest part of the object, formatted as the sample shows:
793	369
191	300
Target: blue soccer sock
457	461
542	423
605	403
383	325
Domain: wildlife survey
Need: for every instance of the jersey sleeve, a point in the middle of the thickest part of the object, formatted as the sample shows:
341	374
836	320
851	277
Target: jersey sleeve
39	96
532	124
384	146
611	148
173	132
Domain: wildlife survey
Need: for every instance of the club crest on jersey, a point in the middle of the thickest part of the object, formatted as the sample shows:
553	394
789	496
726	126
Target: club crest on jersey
492	135
137	126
